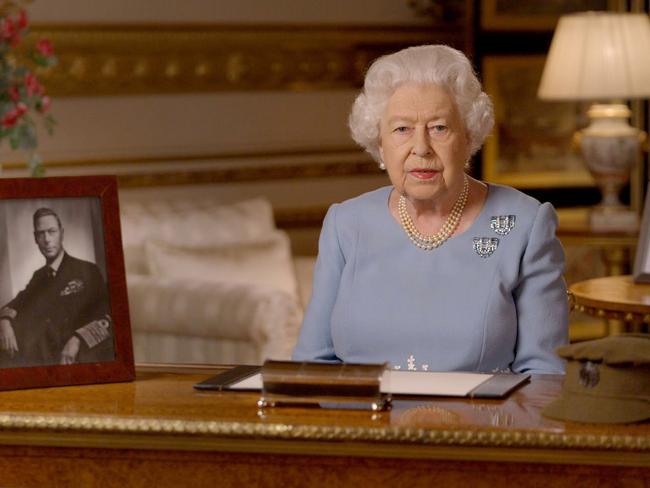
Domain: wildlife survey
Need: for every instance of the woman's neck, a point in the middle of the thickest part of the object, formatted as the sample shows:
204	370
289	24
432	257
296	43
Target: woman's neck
430	215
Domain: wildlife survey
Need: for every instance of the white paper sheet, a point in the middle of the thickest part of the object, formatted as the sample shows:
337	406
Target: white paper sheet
251	383
406	383
430	383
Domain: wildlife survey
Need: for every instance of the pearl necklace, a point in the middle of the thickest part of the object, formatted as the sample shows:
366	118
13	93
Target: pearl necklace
429	243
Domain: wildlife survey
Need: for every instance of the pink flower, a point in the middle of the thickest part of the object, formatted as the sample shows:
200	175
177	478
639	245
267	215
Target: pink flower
44	47
7	29
14	94
43	105
11	117
32	85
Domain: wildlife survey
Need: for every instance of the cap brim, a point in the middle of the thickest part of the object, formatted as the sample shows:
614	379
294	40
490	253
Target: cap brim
608	410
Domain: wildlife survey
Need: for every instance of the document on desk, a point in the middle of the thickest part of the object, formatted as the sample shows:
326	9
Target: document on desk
431	383
451	384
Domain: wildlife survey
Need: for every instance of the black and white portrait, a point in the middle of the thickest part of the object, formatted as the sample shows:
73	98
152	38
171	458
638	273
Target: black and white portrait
54	301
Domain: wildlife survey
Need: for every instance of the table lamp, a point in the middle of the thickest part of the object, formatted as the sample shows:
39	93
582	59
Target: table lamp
603	57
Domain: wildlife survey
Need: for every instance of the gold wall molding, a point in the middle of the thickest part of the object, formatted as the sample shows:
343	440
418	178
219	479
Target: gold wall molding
219	168
132	60
224	156
249	174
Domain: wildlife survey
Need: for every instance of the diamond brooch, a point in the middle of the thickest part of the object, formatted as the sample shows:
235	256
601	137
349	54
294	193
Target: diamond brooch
485	246
502	224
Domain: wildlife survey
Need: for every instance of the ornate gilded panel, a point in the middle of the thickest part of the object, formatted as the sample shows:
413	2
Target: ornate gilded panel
121	60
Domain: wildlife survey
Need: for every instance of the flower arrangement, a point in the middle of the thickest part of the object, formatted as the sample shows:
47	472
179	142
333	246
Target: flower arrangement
22	97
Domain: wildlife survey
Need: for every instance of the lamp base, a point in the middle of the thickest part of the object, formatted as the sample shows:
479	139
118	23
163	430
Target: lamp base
610	147
613	219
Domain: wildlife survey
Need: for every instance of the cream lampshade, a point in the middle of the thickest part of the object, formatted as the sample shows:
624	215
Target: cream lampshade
604	57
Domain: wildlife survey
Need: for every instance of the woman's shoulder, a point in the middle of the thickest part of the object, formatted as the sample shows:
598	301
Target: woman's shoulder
347	219
508	195
370	198
505	200
367	204
510	200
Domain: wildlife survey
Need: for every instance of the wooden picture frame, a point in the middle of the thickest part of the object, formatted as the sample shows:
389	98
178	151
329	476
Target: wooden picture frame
71	325
531	145
641	268
532	15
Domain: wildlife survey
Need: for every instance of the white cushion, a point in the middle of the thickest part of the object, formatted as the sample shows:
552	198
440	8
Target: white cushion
268	318
190	222
264	262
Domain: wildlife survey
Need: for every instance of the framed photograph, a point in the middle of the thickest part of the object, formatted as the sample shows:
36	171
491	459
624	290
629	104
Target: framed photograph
641	271
64	317
532	15
531	145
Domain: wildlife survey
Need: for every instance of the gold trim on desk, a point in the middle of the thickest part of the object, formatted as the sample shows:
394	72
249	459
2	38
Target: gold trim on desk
195	433
161	411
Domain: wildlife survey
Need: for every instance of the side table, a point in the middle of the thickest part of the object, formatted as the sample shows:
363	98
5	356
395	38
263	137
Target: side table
616	246
614	297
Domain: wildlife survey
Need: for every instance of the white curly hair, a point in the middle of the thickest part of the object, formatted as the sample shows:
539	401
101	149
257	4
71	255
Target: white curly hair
436	64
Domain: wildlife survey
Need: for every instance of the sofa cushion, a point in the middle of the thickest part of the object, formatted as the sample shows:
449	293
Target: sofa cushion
268	318
265	262
190	222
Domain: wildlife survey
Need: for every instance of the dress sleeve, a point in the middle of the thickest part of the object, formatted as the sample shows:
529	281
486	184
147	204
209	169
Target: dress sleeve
541	299
315	340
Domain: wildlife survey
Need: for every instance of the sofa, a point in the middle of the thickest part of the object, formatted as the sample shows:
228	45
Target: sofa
210	282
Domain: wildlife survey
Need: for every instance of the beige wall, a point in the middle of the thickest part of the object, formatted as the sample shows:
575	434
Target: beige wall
178	124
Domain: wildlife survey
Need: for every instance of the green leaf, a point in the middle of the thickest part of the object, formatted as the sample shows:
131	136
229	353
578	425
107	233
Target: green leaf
27	136
35	162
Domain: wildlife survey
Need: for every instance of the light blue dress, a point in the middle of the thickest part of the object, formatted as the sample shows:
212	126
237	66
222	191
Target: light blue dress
377	297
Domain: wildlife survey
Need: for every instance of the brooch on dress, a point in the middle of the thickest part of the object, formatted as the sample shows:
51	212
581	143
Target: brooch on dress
502	224
485	246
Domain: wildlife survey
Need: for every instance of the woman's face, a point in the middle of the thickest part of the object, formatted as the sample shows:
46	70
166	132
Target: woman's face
424	142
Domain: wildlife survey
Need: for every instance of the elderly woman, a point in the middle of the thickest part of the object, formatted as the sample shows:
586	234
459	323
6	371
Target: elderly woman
438	271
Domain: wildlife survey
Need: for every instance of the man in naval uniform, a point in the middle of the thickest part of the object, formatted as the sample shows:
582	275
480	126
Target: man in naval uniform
63	315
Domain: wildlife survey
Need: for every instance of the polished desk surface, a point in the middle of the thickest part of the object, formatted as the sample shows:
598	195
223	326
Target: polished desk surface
616	297
161	410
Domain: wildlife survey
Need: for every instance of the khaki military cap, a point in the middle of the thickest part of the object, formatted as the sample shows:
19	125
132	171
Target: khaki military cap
607	381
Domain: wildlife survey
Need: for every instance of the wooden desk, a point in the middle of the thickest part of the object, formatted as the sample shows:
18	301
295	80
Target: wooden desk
160	432
613	297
